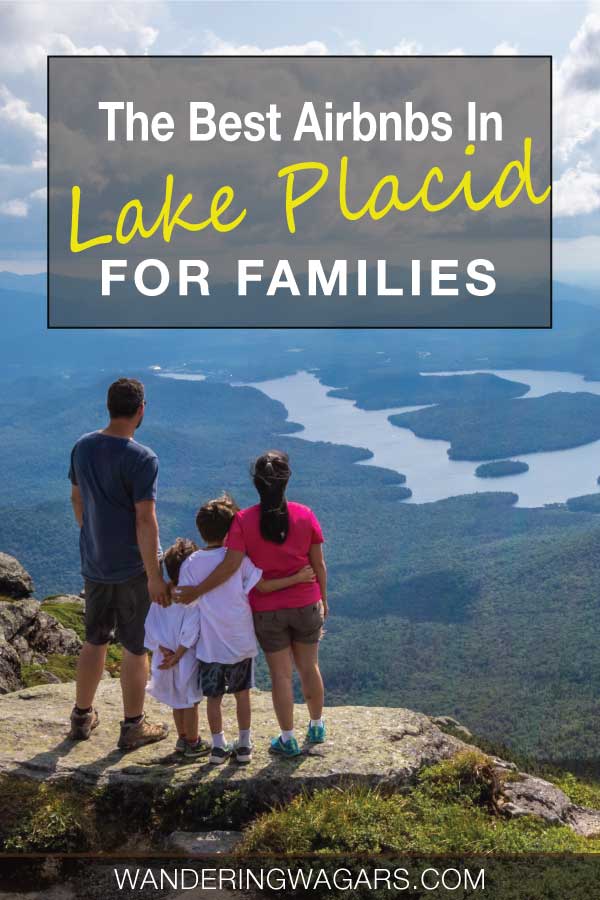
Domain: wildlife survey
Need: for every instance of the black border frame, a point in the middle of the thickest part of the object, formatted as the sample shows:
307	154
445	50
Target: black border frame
547	56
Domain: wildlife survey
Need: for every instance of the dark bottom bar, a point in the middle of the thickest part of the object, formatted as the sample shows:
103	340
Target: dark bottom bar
518	878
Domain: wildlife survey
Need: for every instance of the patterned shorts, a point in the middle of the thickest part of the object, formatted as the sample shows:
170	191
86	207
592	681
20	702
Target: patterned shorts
217	679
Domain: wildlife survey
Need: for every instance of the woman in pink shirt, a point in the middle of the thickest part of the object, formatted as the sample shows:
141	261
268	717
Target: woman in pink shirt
281	537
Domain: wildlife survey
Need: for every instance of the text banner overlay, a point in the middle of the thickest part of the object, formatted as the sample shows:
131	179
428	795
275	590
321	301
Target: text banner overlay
299	192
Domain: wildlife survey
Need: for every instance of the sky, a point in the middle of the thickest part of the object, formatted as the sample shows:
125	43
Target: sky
570	31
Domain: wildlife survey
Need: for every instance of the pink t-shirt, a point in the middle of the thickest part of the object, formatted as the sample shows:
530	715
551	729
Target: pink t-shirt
278	560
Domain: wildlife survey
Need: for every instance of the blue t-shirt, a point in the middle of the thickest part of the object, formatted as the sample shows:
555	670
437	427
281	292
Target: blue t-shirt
113	474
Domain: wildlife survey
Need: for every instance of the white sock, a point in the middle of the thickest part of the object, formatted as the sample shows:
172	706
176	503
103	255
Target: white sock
218	740
287	736
316	723
244	737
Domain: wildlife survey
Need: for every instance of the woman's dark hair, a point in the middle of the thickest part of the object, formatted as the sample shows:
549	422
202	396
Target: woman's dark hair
175	555
271	473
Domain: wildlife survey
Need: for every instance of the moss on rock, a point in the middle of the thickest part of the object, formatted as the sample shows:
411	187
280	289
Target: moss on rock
56	668
71	615
45	817
448	811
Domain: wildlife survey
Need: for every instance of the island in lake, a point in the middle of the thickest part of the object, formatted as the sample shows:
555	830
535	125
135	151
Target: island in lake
501	467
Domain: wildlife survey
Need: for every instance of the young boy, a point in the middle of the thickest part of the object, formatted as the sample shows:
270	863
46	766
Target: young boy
227	646
174	673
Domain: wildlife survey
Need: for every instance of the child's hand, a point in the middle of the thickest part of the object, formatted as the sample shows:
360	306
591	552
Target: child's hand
170	657
307	574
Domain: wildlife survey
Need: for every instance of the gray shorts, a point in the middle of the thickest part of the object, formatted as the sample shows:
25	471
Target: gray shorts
117	611
278	629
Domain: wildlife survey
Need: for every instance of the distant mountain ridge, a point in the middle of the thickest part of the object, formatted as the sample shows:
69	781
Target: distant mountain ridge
30	284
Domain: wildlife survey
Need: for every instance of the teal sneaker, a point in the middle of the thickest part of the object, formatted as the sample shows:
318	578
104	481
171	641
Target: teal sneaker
316	734
285	748
180	745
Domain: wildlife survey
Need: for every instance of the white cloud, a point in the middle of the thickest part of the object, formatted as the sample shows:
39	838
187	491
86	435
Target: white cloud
404	47
17	209
577	191
505	48
17	114
28	33
32	30
577	117
578	86
216	45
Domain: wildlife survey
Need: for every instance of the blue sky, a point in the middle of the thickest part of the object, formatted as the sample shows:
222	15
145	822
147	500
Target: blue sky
568	30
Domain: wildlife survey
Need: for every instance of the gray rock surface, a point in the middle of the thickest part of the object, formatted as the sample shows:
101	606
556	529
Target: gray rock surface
46	636
534	796
585	821
530	796
27	633
10	667
15	581
34	724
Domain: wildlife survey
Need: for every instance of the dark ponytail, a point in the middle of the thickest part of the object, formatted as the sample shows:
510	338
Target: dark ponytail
271	473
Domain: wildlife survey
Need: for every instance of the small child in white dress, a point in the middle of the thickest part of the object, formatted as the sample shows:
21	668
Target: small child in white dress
172	634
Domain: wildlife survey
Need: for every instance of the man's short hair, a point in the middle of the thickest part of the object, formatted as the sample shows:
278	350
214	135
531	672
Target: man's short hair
125	396
215	517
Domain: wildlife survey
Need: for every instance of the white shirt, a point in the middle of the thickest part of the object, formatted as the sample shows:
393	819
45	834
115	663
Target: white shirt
226	624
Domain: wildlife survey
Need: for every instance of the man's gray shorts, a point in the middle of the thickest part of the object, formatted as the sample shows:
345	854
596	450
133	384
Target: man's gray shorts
117	611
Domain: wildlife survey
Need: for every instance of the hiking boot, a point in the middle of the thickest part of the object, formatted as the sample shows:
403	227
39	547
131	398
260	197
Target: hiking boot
285	748
82	724
138	734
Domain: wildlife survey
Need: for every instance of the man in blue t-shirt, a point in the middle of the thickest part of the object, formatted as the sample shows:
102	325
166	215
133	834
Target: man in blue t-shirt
113	492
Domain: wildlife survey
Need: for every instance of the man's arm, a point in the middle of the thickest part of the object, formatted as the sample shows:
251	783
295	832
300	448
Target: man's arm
269	585
146	526
223	572
317	561
77	504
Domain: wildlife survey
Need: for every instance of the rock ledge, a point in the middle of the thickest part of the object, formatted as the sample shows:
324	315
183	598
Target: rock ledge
34	745
33	727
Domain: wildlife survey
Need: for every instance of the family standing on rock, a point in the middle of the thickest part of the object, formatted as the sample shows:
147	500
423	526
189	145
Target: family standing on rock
260	576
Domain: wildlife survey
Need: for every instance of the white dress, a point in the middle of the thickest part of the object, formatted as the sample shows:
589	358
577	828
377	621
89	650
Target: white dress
174	626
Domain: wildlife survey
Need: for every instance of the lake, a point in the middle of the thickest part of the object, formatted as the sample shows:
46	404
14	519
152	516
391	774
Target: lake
552	477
